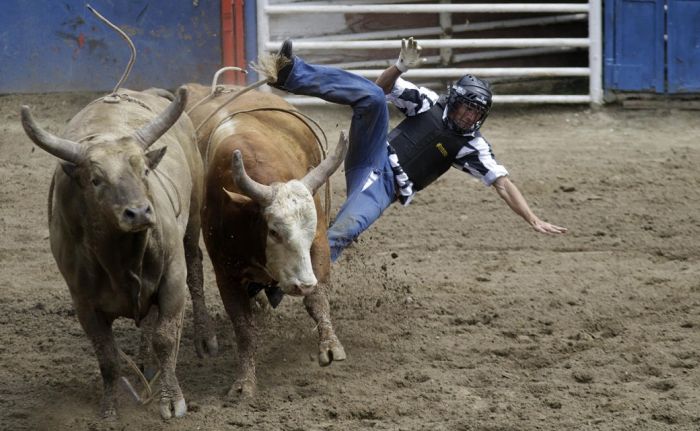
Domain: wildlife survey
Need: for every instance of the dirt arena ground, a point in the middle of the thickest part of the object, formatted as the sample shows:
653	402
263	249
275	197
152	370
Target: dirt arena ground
455	315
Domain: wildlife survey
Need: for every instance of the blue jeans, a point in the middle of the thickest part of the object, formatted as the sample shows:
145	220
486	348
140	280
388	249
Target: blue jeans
368	176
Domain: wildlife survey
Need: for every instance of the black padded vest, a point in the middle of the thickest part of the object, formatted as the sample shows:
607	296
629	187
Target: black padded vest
425	146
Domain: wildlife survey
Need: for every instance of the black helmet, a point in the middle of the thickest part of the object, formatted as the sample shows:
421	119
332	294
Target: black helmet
473	93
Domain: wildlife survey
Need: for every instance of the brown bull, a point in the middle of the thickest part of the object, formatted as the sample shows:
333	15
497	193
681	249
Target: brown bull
124	223
261	221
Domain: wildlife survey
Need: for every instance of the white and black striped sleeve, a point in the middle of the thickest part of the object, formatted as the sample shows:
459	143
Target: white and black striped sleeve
410	99
477	159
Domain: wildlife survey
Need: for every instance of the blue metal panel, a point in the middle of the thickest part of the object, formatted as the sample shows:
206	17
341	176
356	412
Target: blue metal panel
60	46
634	45
683	46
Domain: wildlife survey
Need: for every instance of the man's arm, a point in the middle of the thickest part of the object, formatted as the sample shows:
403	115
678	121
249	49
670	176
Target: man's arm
515	200
388	78
409	57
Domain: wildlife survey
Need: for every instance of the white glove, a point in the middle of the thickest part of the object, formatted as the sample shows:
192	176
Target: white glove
409	56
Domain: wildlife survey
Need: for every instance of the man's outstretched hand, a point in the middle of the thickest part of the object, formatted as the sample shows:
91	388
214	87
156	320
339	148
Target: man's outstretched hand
544	227
409	56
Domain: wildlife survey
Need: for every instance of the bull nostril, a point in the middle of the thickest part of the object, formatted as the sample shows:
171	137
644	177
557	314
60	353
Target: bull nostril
138	213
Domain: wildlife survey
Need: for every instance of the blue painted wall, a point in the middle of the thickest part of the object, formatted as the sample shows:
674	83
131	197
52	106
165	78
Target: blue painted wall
634	45
683	46
48	45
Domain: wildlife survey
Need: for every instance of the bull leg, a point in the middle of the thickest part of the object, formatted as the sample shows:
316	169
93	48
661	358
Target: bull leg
166	337
205	342
329	347
99	330
237	304
147	359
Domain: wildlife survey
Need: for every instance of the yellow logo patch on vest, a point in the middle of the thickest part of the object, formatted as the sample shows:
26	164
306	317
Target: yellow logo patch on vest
441	149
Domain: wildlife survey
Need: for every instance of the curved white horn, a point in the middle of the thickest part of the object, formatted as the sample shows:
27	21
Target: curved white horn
260	193
318	175
150	133
64	149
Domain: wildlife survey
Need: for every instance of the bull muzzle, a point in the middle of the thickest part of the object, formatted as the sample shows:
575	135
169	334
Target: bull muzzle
136	218
300	288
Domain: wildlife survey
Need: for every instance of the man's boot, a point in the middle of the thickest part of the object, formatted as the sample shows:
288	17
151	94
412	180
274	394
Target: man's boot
287	60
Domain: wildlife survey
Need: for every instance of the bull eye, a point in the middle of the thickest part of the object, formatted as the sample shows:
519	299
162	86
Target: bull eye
96	181
275	235
145	172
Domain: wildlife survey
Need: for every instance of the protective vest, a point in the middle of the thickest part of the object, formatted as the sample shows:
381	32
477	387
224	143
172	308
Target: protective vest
425	147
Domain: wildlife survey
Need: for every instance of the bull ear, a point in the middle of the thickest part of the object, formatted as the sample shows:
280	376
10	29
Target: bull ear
238	198
320	174
154	157
70	169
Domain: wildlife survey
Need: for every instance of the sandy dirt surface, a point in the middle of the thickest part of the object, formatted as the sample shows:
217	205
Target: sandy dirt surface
455	315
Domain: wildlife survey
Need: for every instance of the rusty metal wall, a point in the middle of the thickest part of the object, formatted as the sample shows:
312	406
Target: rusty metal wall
48	46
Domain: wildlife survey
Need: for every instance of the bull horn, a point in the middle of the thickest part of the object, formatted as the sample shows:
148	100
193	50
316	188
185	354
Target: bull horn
318	175
150	133
260	193
64	149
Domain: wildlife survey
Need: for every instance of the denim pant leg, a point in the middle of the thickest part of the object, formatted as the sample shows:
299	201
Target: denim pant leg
370	116
363	207
368	175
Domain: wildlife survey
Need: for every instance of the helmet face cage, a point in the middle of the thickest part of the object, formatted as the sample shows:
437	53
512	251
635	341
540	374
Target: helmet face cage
472	93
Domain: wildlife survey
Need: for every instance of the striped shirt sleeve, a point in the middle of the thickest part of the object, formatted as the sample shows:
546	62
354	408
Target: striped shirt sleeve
410	99
476	158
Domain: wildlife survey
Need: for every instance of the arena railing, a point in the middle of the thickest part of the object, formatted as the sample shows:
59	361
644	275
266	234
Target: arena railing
592	11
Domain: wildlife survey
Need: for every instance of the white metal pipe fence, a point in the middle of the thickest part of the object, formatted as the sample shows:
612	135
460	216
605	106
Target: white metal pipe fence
459	28
593	43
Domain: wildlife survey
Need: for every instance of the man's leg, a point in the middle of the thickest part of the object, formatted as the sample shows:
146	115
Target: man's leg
368	174
363	207
370	119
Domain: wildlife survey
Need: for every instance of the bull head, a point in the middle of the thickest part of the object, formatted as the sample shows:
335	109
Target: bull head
112	170
290	213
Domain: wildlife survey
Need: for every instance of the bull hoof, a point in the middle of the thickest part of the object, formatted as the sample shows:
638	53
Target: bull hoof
329	351
243	389
172	408
206	345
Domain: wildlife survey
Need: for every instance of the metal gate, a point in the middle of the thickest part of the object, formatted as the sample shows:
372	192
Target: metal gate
683	56
442	39
652	45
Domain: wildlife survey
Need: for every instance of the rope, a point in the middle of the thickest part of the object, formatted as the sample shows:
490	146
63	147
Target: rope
148	395
229	100
132	59
216	89
139	374
170	198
